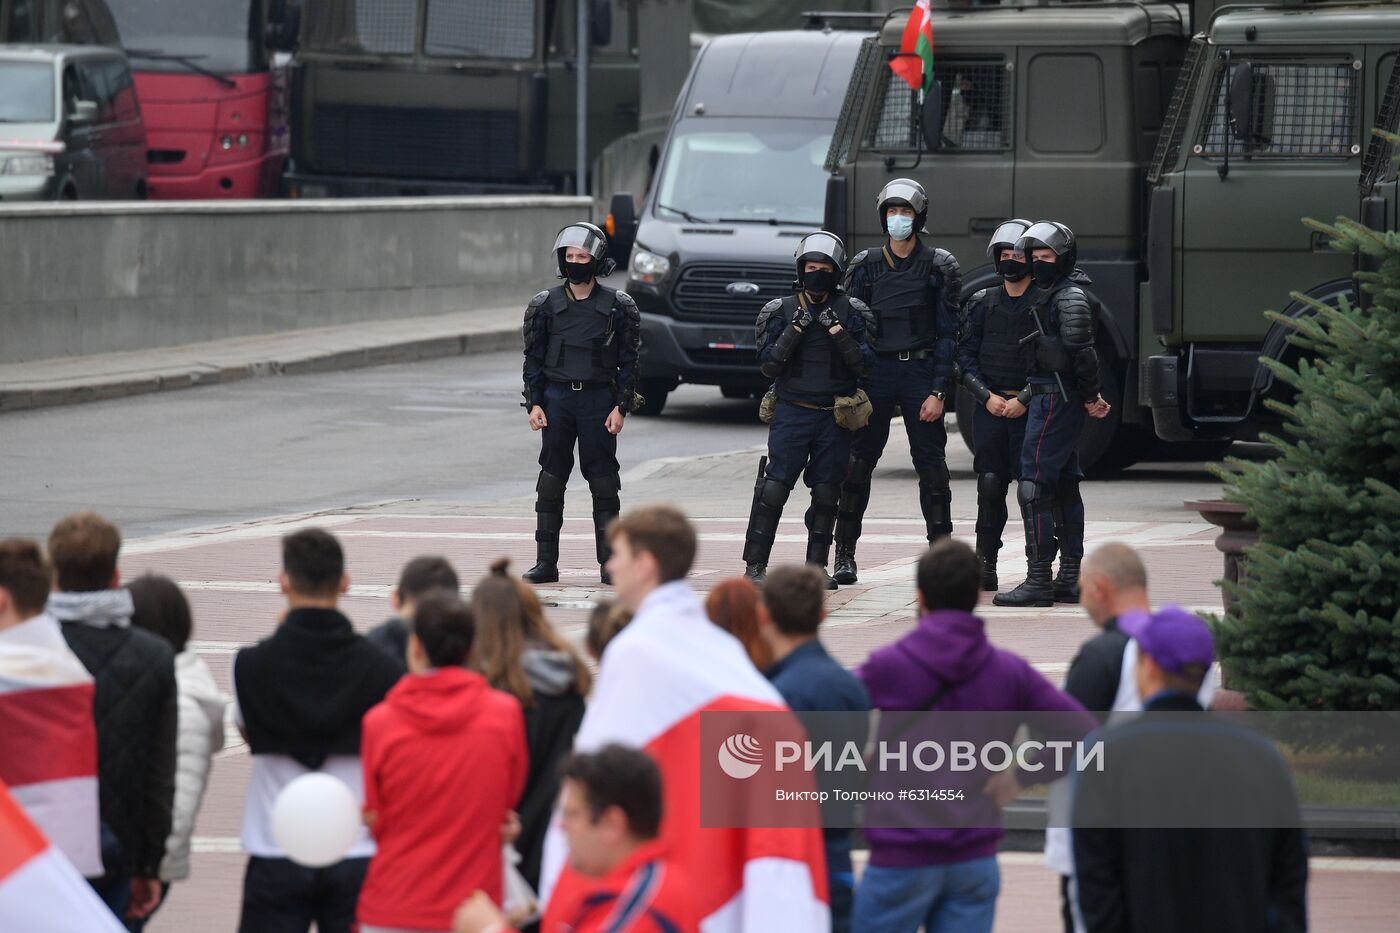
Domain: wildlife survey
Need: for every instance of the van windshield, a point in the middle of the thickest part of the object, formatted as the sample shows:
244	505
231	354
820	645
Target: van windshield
26	92
746	170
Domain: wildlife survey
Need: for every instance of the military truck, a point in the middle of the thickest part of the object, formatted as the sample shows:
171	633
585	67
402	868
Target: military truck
1271	121
413	97
1057	111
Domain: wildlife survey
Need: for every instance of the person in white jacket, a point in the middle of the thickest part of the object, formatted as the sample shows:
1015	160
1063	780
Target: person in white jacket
160	607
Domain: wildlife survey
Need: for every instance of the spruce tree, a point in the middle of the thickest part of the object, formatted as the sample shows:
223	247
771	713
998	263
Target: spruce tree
1317	622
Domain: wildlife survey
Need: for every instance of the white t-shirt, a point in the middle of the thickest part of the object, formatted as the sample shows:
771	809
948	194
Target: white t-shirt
270	774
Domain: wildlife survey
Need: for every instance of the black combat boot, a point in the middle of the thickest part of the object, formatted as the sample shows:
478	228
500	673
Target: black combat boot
821	521
769	497
855	497
606	507
1067	580
987	549
549	520
1038	590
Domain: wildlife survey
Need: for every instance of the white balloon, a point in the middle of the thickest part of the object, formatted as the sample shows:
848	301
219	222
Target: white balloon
316	819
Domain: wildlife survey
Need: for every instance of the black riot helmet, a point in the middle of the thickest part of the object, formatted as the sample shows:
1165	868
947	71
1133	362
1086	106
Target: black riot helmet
903	192
1009	233
821	247
1047	234
587	237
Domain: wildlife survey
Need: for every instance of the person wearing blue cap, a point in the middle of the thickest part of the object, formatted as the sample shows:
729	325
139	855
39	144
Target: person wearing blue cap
1193	822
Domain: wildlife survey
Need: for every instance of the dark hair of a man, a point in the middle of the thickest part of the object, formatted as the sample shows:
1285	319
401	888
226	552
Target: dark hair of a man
425	573
794	594
663	532
948	576
25	574
444	626
605	621
83	548
622	777
159	606
1187	680
313	561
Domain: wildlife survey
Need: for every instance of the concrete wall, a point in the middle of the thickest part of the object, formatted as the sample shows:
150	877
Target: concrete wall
94	278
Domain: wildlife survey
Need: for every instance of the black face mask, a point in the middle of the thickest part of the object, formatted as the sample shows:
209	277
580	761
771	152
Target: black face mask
1012	270
1044	273
578	272
819	281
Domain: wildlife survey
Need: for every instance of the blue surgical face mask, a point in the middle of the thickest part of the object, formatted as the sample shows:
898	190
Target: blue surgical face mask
900	228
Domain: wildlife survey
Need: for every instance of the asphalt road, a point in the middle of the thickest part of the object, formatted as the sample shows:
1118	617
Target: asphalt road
449	429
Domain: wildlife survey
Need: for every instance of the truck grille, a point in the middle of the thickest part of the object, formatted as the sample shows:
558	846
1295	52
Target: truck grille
415	143
700	290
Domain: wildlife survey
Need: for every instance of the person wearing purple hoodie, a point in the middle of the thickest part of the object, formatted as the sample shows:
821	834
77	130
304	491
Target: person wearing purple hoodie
939	877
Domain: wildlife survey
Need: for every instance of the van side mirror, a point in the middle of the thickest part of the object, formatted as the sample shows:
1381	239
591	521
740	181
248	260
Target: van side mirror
600	21
1241	101
931	119
284	31
621	226
84	111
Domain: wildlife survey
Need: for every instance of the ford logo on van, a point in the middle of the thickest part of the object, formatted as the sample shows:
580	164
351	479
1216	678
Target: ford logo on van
741	289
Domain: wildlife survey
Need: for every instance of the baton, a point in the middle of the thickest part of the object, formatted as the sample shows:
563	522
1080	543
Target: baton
1040	332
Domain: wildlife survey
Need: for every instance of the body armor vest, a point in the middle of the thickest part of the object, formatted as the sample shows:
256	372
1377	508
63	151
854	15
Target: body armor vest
902	300
582	337
816	367
1005	361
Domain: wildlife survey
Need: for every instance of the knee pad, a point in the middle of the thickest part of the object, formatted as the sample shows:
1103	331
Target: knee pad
859	472
605	490
992	485
935	478
774	494
1031	493
550	486
826	496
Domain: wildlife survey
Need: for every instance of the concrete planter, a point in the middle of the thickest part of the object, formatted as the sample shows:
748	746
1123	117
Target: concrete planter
1237	532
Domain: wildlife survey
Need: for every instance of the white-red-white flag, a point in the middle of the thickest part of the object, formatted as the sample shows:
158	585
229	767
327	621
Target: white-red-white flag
40	890
665	669
48	740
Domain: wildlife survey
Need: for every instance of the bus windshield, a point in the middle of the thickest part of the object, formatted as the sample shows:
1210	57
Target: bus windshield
746	170
222	36
450	28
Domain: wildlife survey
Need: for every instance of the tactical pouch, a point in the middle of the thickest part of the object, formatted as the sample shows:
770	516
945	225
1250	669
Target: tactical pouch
853	411
1050	354
768	407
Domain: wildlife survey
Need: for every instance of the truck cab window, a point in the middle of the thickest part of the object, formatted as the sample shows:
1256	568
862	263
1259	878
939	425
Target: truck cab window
480	29
976	108
1057	123
1298	110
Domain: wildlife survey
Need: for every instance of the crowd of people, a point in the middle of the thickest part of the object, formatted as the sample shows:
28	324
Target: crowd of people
490	760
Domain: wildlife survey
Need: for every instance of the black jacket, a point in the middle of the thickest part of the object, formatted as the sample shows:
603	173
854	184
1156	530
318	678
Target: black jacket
136	713
391	637
1187	771
550	725
1097	669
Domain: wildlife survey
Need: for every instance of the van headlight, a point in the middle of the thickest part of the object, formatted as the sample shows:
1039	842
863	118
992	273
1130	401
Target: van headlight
29	165
649	268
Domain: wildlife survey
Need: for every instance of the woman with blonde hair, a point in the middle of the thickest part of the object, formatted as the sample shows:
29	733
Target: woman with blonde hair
519	652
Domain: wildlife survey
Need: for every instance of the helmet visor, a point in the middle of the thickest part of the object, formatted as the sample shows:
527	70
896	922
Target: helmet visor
1048	234
1008	234
902	189
822	246
582	236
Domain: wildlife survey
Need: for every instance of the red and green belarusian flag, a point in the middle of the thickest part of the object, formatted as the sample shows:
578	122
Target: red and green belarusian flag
914	63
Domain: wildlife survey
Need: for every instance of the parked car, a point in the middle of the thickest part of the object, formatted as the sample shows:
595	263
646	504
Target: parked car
70	125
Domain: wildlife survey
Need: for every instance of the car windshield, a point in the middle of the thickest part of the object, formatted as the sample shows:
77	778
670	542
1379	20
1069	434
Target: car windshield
746	170
218	34
26	92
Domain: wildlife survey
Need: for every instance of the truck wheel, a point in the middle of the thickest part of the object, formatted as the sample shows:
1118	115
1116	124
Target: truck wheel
966	404
654	391
1108	445
739	392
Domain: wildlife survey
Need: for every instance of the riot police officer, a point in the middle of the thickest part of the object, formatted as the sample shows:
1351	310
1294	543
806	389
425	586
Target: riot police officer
915	292
814	344
581	345
995	362
1064	387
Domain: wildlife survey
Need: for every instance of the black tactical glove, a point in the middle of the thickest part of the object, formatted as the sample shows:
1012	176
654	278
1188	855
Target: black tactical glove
828	319
803	319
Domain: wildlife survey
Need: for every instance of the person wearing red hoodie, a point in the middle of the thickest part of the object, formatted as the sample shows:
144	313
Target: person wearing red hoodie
444	762
610	808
